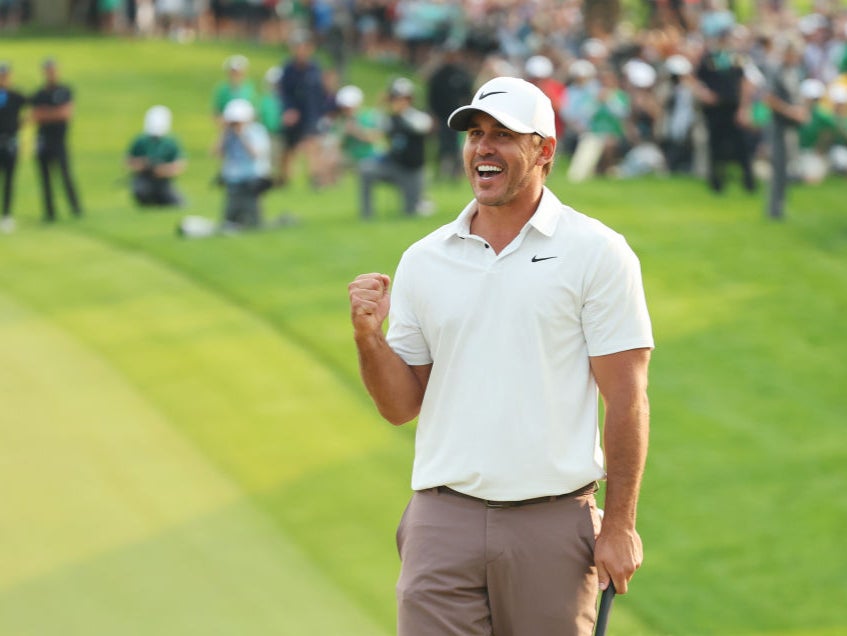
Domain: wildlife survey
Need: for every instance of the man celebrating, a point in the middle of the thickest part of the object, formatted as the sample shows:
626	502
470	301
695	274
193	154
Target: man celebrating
504	324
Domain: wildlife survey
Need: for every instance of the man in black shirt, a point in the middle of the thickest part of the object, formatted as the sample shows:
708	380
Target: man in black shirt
403	165
725	94
449	87
11	103
52	110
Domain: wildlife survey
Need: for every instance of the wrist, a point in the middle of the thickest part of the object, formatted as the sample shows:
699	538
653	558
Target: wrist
368	338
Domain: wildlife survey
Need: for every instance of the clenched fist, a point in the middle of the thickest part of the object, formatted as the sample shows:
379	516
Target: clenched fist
369	303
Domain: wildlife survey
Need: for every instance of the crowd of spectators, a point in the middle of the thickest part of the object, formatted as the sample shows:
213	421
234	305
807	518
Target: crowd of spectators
692	90
688	91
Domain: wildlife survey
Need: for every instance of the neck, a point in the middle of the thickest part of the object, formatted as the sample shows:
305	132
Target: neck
500	225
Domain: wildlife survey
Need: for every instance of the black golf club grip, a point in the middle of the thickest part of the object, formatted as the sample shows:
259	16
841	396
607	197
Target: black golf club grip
606	599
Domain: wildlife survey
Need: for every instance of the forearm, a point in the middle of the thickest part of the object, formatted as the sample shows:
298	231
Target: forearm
625	440
396	388
52	114
171	169
137	164
796	113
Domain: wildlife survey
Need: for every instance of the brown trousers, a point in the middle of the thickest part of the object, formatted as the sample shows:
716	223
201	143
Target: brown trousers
470	570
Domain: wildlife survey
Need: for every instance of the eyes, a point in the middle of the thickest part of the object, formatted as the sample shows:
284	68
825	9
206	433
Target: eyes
499	133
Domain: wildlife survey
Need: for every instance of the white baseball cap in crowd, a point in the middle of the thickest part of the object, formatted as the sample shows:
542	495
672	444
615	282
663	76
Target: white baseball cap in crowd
812	88
349	96
582	69
678	65
401	87
157	121
811	23
838	94
640	74
538	67
594	47
517	104
838	158
273	75
238	111
236	63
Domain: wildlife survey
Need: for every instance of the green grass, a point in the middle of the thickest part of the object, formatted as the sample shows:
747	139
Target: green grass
185	446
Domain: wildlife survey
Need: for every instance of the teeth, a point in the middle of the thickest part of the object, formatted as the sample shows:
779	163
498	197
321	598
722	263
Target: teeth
489	169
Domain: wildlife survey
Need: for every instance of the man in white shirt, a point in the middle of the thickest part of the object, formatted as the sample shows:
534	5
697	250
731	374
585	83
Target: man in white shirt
504	325
244	147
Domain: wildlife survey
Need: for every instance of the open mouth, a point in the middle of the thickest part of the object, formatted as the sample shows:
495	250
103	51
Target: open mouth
488	171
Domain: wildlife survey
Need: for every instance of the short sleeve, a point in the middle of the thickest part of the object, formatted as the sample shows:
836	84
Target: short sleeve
405	336
614	311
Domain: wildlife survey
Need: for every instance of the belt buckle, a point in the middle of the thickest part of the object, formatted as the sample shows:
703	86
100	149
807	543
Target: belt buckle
498	505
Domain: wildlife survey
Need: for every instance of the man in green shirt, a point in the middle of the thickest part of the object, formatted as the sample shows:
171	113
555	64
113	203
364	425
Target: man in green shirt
155	158
236	86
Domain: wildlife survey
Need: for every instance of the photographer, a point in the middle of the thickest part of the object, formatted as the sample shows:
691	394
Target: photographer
155	158
244	147
406	129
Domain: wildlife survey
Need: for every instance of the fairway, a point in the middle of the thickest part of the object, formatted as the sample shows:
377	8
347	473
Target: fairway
185	447
123	523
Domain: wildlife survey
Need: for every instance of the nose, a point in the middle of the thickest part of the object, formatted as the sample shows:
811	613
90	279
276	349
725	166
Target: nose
484	145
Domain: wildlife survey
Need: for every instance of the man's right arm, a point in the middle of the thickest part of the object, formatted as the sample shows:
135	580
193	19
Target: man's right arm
396	388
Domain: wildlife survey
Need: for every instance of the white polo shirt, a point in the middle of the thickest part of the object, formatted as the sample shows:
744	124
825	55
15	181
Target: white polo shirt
511	408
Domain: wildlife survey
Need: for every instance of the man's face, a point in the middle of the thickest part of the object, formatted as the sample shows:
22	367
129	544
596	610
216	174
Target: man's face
500	163
50	74
236	76
303	52
397	104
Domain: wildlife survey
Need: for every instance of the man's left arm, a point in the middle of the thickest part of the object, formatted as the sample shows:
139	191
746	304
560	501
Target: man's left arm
622	380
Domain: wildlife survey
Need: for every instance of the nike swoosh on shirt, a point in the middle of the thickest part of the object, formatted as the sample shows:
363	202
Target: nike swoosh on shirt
490	93
536	259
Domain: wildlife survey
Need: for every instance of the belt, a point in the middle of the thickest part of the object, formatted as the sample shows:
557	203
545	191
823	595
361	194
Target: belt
490	503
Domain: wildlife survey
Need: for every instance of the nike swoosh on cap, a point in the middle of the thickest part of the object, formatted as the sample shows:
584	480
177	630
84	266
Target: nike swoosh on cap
490	93
536	259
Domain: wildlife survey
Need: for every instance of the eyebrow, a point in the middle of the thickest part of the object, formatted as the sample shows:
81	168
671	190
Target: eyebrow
473	122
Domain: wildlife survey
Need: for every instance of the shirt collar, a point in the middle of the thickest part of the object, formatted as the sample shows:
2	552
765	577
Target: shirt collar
545	219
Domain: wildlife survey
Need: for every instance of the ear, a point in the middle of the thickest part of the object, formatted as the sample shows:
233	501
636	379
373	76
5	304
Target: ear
547	151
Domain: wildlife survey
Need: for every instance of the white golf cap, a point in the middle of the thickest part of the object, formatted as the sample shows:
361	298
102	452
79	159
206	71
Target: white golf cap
273	75
157	121
838	158
838	94
808	24
515	103
401	87
582	69
349	96
678	65
238	111
539	67
812	88
640	74
594	47
236	63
